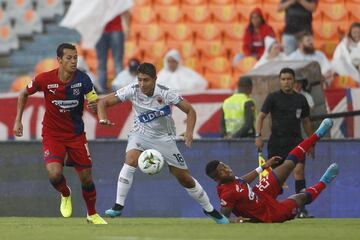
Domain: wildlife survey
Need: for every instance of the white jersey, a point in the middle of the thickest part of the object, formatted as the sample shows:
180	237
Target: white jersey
152	114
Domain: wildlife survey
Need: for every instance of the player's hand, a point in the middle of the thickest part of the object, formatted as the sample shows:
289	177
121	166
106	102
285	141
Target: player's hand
271	162
18	129
106	122
259	143
92	106
188	138
311	153
239	220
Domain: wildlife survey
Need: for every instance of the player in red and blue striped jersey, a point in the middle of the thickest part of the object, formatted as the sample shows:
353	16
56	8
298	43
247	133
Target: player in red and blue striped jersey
64	140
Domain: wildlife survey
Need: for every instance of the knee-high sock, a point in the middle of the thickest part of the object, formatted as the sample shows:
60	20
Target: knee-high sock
313	192
299	185
89	195
298	153
199	194
125	180
61	186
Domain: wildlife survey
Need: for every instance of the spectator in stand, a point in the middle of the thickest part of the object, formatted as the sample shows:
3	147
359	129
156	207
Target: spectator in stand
178	77
300	86
126	76
112	38
345	54
254	36
307	52
273	52
298	18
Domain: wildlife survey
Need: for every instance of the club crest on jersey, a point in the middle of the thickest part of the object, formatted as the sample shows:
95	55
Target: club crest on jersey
46	153
76	91
159	100
65	104
76	85
51	86
298	112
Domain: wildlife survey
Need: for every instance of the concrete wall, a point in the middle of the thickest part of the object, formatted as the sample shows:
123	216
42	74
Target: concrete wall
25	190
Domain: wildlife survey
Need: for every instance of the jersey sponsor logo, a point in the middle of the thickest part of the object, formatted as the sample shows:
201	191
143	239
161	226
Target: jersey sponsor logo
298	112
159	100
66	104
52	91
76	85
76	91
30	85
150	116
51	86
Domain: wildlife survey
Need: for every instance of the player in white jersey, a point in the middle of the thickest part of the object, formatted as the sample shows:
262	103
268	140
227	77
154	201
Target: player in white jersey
154	128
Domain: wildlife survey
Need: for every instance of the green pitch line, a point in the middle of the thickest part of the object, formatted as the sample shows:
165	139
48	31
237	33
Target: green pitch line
26	228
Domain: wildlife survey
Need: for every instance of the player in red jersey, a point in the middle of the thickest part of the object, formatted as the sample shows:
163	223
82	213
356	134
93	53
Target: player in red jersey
259	204
64	140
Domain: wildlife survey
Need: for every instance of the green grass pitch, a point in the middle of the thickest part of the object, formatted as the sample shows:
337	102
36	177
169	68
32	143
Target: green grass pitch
28	228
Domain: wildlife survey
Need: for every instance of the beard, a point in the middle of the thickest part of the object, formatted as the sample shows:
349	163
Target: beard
309	49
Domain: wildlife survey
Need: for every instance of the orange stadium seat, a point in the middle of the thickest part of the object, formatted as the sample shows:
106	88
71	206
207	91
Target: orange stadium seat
169	14
20	83
142	2
178	31
207	31
167	2
222	2
333	11
233	31
131	50
224	13
326	30
217	65
154	49
197	13
219	81
209	49
194	2
149	32
328	47
46	65
245	65
186	48
143	14
244	10
194	63
233	47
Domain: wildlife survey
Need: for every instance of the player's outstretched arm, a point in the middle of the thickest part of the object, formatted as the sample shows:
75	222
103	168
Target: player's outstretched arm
251	176
103	104
186	107
258	127
22	100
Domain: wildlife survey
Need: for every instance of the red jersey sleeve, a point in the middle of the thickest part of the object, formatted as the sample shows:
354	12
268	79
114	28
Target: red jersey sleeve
227	199
35	85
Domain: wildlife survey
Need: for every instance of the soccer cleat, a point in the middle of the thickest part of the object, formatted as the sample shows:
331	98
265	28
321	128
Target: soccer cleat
217	217
95	219
303	213
66	206
330	174
113	213
324	127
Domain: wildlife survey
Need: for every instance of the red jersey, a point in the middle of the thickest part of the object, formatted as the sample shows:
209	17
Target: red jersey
64	102
114	25
258	203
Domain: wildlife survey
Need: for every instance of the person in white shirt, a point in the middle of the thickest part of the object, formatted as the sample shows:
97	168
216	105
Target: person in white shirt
178	77
307	52
273	52
154	128
300	86
346	51
126	76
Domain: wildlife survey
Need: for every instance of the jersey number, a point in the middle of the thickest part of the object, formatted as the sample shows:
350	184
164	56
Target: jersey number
179	158
263	184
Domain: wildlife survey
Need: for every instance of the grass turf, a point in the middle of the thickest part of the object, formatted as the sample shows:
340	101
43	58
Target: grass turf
14	228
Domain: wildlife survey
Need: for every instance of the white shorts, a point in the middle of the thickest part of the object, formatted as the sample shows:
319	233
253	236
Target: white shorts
167	148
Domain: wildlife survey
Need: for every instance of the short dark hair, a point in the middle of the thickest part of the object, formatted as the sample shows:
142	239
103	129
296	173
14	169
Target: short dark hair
353	25
287	70
244	82
61	47
148	69
211	168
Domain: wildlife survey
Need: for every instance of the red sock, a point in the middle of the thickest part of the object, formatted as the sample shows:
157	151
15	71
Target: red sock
314	191
61	186
89	195
298	153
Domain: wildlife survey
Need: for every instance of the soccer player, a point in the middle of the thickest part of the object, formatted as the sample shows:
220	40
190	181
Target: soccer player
259	204
154	129
64	140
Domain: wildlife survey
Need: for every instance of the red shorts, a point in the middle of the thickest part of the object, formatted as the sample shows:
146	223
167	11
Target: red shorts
269	188
71	152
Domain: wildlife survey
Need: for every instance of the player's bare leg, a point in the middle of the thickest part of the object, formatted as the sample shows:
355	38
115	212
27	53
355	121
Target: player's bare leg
311	193
58	181
298	153
125	180
195	190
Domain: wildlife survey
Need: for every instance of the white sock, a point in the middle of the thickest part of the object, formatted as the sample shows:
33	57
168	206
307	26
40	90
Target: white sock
199	194
125	180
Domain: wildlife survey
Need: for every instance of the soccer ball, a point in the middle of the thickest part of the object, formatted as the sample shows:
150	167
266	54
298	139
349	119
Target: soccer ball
150	161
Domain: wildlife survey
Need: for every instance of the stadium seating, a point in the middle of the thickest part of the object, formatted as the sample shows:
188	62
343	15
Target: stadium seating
8	38
224	13
197	13
13	7
48	9
169	14
27	21
45	65
20	83
178	32
144	15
